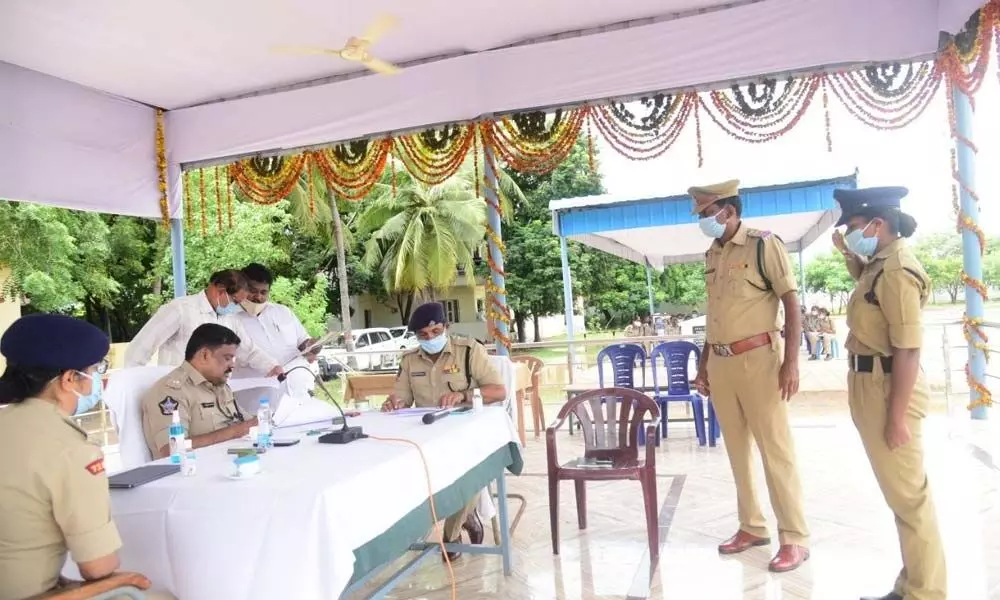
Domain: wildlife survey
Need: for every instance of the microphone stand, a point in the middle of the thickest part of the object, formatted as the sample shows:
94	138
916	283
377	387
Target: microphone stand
345	434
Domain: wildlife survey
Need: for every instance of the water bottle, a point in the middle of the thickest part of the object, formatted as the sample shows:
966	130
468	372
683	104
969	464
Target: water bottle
177	439
477	400
264	424
189	464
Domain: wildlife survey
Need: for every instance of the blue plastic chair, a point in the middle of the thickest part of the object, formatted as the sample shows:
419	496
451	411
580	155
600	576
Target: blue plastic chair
676	357
623	359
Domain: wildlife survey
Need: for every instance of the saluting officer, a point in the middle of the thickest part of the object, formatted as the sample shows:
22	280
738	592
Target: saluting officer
444	371
199	389
53	488
886	388
749	371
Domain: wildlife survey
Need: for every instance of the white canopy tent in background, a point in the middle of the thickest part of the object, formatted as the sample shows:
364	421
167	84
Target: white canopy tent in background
81	76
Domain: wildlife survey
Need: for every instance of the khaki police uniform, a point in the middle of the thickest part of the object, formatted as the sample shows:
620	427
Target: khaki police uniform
744	387
204	406
54	498
422	381
882	315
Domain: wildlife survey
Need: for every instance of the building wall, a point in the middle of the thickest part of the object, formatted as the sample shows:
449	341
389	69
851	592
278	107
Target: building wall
385	314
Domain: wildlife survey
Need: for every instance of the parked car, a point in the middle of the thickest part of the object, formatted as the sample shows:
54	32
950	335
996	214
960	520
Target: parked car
369	341
407	339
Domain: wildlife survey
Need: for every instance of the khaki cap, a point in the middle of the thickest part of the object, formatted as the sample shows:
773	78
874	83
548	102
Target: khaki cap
707	195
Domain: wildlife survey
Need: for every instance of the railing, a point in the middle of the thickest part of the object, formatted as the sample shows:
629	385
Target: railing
955	351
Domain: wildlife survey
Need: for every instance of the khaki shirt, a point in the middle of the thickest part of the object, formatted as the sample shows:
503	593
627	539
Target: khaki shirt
739	306
422	381
204	406
53	499
901	291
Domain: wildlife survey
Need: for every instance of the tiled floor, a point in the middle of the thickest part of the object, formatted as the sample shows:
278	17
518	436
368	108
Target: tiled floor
854	548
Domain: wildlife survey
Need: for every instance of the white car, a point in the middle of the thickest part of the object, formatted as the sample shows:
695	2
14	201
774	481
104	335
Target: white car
368	342
407	339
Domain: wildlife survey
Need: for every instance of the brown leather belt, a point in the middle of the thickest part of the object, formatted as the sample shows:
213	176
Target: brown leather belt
735	348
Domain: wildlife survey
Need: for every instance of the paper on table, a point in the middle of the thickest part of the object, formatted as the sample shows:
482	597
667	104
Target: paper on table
295	411
413	411
250	383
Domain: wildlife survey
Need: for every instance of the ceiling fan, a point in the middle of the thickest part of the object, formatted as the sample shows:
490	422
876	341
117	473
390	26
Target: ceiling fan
356	48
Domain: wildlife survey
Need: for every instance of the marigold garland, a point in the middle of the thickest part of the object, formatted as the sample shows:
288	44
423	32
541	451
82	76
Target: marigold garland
161	168
759	112
218	199
352	169
188	210
229	196
434	155
268	180
204	211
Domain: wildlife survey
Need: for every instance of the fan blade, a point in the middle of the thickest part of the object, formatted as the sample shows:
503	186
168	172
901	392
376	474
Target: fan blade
380	66
303	50
382	25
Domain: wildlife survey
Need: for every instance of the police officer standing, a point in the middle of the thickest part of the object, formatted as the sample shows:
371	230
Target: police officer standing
443	372
748	369
886	388
199	390
53	487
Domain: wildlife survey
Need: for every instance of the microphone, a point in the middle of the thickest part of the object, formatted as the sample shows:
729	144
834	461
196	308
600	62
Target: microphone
431	417
345	434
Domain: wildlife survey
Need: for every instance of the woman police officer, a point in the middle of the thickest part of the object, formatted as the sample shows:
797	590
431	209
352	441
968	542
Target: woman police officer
53	488
886	389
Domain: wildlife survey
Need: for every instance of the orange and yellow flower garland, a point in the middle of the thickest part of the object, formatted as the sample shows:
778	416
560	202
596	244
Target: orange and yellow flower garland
161	168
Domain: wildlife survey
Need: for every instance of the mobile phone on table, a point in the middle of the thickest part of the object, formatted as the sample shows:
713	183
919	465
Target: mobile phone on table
279	442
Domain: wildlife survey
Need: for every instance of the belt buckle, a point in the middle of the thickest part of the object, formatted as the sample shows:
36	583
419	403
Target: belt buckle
854	362
724	350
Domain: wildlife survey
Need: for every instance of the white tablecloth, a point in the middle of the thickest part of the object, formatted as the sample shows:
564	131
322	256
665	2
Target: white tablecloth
291	531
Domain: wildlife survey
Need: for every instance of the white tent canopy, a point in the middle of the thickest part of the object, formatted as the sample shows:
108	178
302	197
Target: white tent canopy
79	77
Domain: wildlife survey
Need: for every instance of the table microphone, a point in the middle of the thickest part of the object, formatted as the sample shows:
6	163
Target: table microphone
345	434
431	417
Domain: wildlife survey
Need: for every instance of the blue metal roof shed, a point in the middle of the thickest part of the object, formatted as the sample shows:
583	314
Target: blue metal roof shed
662	231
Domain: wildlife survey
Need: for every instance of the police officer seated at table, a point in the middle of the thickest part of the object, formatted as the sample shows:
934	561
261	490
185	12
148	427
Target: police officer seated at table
443	372
53	487
199	390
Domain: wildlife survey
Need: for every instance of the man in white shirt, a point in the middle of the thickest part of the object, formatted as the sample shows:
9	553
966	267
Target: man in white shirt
167	332
276	330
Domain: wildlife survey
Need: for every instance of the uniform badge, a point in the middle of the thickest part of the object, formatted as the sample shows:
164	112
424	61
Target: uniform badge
207	404
96	467
418	374
450	369
167	406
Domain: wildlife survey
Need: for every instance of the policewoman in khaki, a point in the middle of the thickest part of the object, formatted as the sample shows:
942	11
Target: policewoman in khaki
748	370
199	389
443	372
886	387
53	489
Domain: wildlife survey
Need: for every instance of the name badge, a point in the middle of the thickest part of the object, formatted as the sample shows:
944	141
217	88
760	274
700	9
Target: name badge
208	404
418	374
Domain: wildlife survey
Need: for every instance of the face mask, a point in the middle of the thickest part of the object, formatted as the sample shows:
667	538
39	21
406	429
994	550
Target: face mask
711	227
859	244
434	345
253	307
86	403
230	309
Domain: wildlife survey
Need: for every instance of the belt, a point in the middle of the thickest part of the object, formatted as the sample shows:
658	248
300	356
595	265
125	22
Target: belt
866	364
756	341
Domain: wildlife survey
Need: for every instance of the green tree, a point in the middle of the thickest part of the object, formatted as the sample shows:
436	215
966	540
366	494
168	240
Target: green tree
941	256
684	284
828	274
308	300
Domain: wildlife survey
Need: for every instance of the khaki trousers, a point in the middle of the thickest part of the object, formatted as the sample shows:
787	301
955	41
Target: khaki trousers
903	481
453	524
748	404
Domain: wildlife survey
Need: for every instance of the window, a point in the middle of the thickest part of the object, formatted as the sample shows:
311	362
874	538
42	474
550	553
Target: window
451	311
362	341
380	337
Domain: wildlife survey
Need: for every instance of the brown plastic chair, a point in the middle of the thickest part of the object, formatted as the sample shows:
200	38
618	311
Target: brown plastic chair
535	366
116	585
610	419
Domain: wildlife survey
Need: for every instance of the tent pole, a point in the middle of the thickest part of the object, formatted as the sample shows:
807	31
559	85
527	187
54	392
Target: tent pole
649	288
972	258
498	296
177	252
567	301
802	281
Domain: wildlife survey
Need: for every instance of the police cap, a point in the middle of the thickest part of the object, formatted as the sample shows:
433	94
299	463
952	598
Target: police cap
867	201
55	342
426	315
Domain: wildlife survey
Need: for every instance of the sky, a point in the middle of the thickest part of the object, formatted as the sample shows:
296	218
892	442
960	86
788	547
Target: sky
917	157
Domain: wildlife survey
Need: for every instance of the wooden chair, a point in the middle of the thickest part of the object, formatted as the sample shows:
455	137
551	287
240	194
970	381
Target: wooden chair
116	585
610	420
535	366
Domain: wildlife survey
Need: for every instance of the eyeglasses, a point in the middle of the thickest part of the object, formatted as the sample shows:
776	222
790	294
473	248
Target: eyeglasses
101	367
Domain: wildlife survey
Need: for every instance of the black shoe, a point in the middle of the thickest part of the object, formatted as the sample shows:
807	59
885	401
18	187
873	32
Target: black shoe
452	556
889	596
474	527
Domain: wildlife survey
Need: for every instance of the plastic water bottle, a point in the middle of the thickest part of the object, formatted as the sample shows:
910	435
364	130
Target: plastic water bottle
177	439
477	400
189	462
264	424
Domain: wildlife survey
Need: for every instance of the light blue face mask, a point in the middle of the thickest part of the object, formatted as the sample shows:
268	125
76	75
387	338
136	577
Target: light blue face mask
859	244
230	309
711	227
84	403
434	345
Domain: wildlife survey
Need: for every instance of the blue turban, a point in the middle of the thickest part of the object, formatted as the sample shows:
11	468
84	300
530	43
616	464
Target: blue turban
55	342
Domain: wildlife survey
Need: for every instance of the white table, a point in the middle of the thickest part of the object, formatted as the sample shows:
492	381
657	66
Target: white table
291	532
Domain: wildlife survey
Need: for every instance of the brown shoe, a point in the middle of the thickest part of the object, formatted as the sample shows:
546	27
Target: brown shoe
742	542
788	558
474	527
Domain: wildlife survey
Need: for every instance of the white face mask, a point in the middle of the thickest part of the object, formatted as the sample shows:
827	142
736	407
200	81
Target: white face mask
253	307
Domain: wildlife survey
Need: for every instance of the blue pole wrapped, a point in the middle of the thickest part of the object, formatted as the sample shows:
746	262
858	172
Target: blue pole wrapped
498	297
